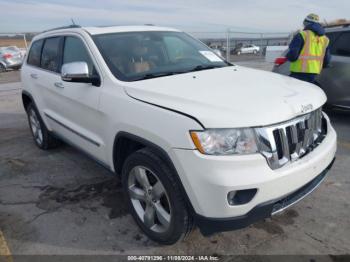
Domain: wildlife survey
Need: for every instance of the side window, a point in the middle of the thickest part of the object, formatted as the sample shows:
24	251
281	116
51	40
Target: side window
75	51
333	36
35	53
342	45
50	58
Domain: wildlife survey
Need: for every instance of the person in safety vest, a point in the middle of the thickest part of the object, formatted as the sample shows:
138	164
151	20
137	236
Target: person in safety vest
308	51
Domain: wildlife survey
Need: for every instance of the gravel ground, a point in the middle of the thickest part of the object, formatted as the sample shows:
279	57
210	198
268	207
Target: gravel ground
61	202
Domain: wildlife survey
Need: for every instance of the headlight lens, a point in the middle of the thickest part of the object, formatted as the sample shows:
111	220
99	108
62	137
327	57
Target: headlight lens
225	141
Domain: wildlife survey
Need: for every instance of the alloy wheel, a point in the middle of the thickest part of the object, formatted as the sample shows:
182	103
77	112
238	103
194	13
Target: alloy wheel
149	199
35	127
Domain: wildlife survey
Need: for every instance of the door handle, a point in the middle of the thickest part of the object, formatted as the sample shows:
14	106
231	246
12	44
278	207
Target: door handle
59	85
35	76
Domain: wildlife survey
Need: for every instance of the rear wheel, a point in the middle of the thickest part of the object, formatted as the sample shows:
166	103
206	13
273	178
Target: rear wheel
41	135
154	197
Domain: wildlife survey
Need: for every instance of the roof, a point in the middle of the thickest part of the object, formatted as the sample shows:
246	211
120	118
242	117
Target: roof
102	30
110	29
119	29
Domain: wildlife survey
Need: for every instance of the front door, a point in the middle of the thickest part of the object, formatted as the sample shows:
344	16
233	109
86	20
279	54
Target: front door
74	107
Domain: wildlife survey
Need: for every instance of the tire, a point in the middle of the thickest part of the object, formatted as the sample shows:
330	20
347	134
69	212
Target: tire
148	200
239	53
255	52
2	68
41	135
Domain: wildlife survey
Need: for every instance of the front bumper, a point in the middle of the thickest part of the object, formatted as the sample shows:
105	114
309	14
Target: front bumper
209	226
207	181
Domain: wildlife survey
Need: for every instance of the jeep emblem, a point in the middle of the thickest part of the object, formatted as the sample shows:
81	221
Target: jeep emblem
306	108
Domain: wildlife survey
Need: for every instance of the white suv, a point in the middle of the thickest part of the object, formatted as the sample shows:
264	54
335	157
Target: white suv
195	139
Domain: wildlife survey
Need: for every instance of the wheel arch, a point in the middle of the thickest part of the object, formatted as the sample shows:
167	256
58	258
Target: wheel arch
27	98
126	143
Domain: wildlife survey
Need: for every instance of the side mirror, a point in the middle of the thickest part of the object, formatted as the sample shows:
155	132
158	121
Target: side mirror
78	72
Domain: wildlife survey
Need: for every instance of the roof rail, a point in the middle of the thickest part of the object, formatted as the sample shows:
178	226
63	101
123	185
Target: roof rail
337	25
63	27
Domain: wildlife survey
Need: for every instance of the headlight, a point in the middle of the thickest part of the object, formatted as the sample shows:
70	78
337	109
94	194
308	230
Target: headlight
225	141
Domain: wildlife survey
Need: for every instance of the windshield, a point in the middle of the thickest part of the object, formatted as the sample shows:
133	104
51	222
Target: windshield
134	56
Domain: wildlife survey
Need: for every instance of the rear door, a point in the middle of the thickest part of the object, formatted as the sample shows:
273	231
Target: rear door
38	75
46	74
74	112
31	70
335	80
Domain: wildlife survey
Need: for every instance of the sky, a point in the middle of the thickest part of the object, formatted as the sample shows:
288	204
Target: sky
188	15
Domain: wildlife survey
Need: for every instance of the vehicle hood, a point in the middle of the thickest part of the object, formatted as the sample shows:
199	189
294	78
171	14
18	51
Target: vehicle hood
230	97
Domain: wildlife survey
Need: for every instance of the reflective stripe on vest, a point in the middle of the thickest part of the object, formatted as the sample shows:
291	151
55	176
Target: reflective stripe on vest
312	54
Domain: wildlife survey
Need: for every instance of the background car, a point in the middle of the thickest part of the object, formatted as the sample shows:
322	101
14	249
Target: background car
335	79
22	51
246	49
10	58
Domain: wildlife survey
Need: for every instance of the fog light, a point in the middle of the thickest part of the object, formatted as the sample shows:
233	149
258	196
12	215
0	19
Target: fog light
230	197
241	197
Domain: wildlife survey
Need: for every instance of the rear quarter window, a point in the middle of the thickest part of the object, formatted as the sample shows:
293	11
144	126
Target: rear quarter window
35	53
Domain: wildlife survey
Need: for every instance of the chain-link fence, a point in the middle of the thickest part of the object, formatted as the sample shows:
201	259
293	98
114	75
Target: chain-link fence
237	46
232	45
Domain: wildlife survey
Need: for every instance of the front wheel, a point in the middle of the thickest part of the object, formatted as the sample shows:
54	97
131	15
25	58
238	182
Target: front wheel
154	197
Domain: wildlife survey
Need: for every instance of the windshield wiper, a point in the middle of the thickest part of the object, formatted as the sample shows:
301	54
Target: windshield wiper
149	76
155	75
203	67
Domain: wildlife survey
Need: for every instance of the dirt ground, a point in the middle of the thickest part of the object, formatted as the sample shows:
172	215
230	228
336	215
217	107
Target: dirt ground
16	42
61	202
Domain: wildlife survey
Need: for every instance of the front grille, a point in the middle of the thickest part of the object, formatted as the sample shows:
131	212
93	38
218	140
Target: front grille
291	140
